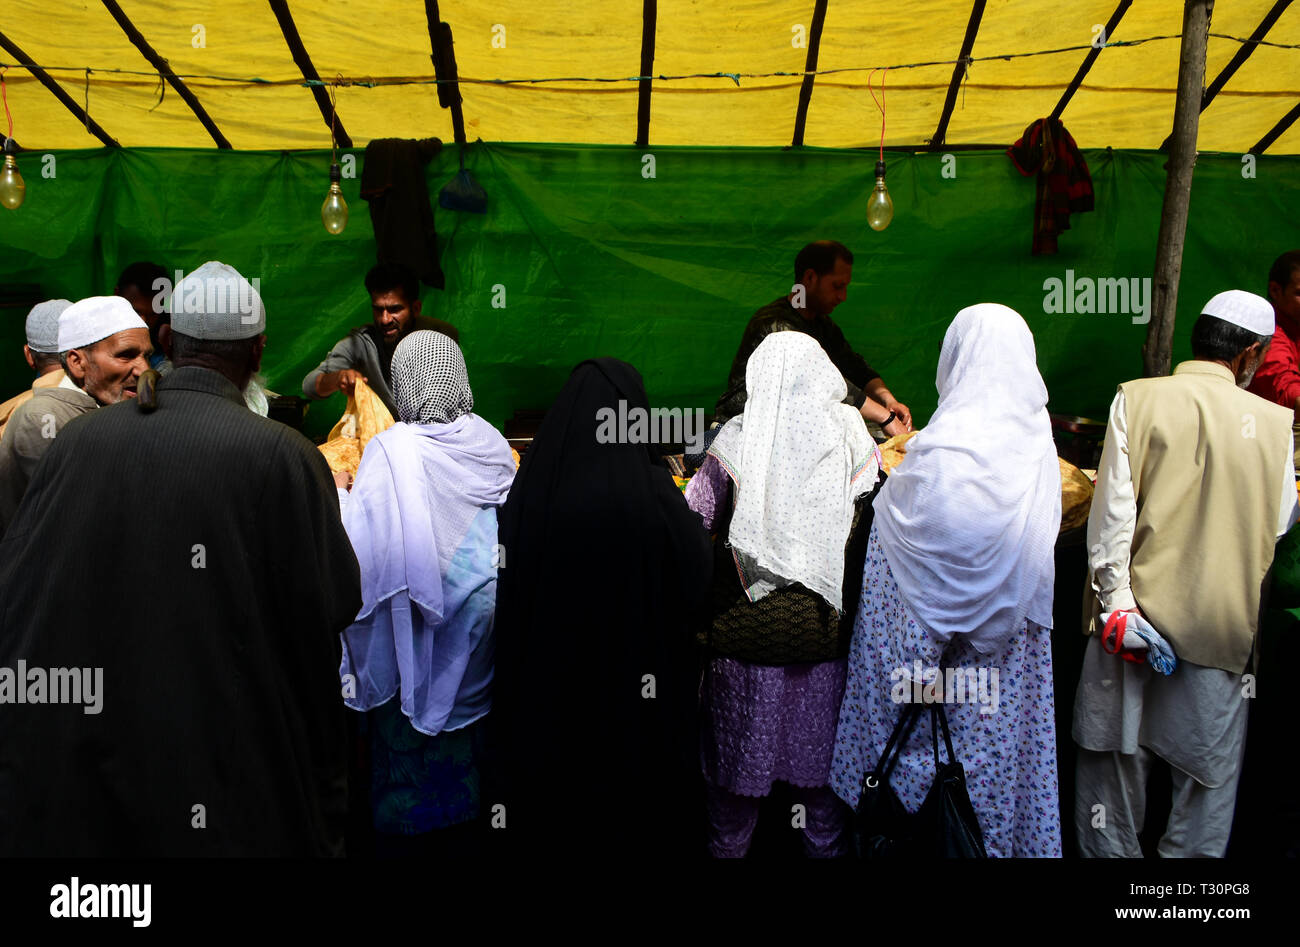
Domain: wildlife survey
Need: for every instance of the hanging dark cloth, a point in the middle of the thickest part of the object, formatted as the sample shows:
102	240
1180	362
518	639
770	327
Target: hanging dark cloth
392	180
603	588
1064	184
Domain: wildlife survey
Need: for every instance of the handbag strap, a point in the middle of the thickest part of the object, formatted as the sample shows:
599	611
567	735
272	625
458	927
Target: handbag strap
937	713
894	747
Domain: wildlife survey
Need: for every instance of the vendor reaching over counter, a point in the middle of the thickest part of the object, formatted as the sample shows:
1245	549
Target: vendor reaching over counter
822	271
367	351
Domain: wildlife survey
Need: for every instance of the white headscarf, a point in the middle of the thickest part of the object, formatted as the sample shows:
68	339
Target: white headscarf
969	523
430	383
799	458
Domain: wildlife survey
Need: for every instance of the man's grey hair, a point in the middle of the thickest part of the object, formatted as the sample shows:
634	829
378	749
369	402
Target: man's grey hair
63	361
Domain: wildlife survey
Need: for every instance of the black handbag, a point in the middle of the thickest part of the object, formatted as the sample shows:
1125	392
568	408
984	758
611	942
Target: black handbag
882	828
946	821
945	826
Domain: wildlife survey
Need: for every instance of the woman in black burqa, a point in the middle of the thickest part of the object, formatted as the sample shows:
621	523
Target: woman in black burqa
603	586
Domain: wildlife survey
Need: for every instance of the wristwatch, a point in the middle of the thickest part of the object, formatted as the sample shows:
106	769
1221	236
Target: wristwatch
890	418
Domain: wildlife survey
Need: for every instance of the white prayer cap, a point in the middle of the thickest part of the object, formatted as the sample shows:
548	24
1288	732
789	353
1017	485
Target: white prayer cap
88	320
1253	313
215	302
43	325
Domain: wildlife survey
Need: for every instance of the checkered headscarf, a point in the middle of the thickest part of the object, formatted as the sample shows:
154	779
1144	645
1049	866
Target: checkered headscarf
430	383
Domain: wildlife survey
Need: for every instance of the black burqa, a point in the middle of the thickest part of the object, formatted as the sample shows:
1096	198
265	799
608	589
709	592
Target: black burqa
604	586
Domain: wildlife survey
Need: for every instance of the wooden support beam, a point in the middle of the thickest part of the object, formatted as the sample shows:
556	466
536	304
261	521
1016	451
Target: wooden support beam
444	68
958	71
649	24
290	31
810	67
1276	132
44	78
1157	351
1089	59
165	70
1243	53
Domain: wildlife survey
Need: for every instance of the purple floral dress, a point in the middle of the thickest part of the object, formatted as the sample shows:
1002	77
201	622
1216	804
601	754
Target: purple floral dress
1004	734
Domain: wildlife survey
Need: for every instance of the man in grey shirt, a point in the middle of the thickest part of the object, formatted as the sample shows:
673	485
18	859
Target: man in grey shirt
366	351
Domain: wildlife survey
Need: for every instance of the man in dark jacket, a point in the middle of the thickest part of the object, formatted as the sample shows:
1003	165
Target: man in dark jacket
822	272
173	589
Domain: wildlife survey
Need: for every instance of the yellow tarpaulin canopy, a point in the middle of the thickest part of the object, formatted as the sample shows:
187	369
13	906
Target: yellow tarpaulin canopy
720	61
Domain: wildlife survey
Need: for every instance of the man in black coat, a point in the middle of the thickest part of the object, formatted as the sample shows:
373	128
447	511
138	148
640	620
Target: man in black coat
823	271
176	579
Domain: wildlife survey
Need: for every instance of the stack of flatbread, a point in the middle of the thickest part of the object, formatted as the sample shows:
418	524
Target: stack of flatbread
1076	496
894	450
1076	488
365	416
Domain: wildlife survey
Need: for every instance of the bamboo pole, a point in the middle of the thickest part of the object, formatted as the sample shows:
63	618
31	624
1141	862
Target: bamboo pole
1158	350
302	60
165	70
649	27
809	69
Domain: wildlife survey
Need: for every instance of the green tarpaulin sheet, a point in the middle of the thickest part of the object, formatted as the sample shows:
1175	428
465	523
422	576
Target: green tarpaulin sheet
583	254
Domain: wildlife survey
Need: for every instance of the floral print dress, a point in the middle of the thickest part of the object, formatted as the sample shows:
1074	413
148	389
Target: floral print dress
1004	734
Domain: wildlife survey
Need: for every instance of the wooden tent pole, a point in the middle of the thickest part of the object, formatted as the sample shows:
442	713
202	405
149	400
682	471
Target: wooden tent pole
165	70
958	72
1157	351
444	69
1276	131
810	67
1242	55
46	80
1244	52
1108	31
289	30
649	26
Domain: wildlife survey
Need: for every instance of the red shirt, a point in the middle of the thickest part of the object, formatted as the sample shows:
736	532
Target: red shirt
1278	377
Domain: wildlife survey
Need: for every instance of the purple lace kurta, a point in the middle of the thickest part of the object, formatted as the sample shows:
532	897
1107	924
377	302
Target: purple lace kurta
762	724
1009	755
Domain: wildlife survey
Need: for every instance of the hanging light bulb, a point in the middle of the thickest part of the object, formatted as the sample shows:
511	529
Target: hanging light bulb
334	212
12	187
880	208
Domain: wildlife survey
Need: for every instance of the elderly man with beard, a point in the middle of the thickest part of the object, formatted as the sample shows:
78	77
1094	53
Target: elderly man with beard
1196	484
103	348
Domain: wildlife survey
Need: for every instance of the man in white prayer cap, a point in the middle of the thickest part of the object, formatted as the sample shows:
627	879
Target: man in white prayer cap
221	730
41	352
103	348
1196	484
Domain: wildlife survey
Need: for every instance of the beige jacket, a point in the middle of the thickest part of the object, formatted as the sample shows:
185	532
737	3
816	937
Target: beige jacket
48	380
